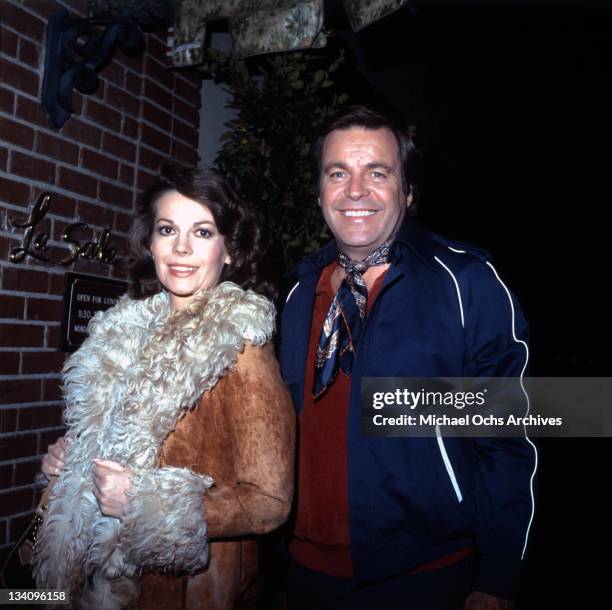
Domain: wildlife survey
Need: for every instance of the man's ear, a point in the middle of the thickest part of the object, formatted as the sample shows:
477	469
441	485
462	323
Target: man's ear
409	197
319	201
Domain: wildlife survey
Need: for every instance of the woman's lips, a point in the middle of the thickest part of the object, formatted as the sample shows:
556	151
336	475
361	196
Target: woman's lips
181	270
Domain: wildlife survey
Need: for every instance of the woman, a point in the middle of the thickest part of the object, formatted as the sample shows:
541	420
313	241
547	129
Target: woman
180	427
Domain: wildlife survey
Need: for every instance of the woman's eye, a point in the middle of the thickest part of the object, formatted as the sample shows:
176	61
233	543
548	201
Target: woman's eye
203	233
165	230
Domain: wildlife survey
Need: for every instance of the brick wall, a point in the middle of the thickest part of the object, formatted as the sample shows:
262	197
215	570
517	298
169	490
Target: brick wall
95	167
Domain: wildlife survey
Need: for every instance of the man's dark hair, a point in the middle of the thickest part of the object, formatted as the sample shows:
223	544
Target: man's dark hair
362	116
237	221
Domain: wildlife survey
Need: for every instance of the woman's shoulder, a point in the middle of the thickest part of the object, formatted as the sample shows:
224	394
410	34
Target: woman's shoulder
252	314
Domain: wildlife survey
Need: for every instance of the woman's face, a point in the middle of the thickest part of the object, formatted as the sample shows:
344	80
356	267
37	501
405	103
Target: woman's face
187	249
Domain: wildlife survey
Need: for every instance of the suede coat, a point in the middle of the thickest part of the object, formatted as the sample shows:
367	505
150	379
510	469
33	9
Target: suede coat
193	403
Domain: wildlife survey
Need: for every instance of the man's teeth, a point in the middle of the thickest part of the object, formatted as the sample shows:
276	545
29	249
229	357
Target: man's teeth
358	212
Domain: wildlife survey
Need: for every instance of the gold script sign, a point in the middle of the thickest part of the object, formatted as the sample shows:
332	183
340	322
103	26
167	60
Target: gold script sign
35	245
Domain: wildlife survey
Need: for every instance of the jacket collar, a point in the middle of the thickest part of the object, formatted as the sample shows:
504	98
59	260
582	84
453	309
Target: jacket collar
410	236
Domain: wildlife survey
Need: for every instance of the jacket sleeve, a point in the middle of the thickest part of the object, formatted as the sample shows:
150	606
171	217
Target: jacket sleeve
259	418
496	344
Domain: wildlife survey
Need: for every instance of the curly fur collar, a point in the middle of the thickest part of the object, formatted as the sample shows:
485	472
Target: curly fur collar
138	372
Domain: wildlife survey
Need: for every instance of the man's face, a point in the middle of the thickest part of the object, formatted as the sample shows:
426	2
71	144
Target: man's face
361	194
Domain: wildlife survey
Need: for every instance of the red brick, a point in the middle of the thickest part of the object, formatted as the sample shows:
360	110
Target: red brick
103	115
19	77
185	132
56	284
44	309
19	390
54	333
95	214
8	420
8	42
156	47
99	164
156	116
188	91
122	222
158	73
31	418
51	389
133	62
119	147
9	362
56	148
122	100
45	8
3	158
26	471
77	182
30	167
126	174
77	130
14	192
187	154
29	53
17	133
17	446
155	93
6	470
16	501
31	111
114	73
129	127
151	159
185	111
155	139
7	101
116	195
19	278
12	307
21	21
61	205
146	180
21	335
133	83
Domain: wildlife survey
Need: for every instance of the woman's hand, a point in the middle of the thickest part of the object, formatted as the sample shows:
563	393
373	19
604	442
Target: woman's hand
111	481
53	462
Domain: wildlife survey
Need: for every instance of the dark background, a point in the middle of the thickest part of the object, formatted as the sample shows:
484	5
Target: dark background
512	108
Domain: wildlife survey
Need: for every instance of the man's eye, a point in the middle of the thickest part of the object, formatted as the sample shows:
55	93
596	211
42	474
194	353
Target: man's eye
337	174
378	175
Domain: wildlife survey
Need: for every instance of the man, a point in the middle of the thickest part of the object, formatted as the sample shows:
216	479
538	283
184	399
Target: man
423	523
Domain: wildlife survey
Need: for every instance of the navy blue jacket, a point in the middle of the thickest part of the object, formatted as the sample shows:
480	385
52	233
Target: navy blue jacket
442	311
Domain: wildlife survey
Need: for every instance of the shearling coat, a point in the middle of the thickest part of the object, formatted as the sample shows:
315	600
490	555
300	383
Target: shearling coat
193	403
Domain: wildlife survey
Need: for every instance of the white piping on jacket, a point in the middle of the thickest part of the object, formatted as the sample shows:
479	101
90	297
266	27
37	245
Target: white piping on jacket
456	288
447	463
517	340
535	451
291	292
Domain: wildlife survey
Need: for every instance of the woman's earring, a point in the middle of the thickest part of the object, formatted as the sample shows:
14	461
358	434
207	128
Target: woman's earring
228	260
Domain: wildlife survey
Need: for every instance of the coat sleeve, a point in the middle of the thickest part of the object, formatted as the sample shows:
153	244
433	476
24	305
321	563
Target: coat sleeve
259	418
496	342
